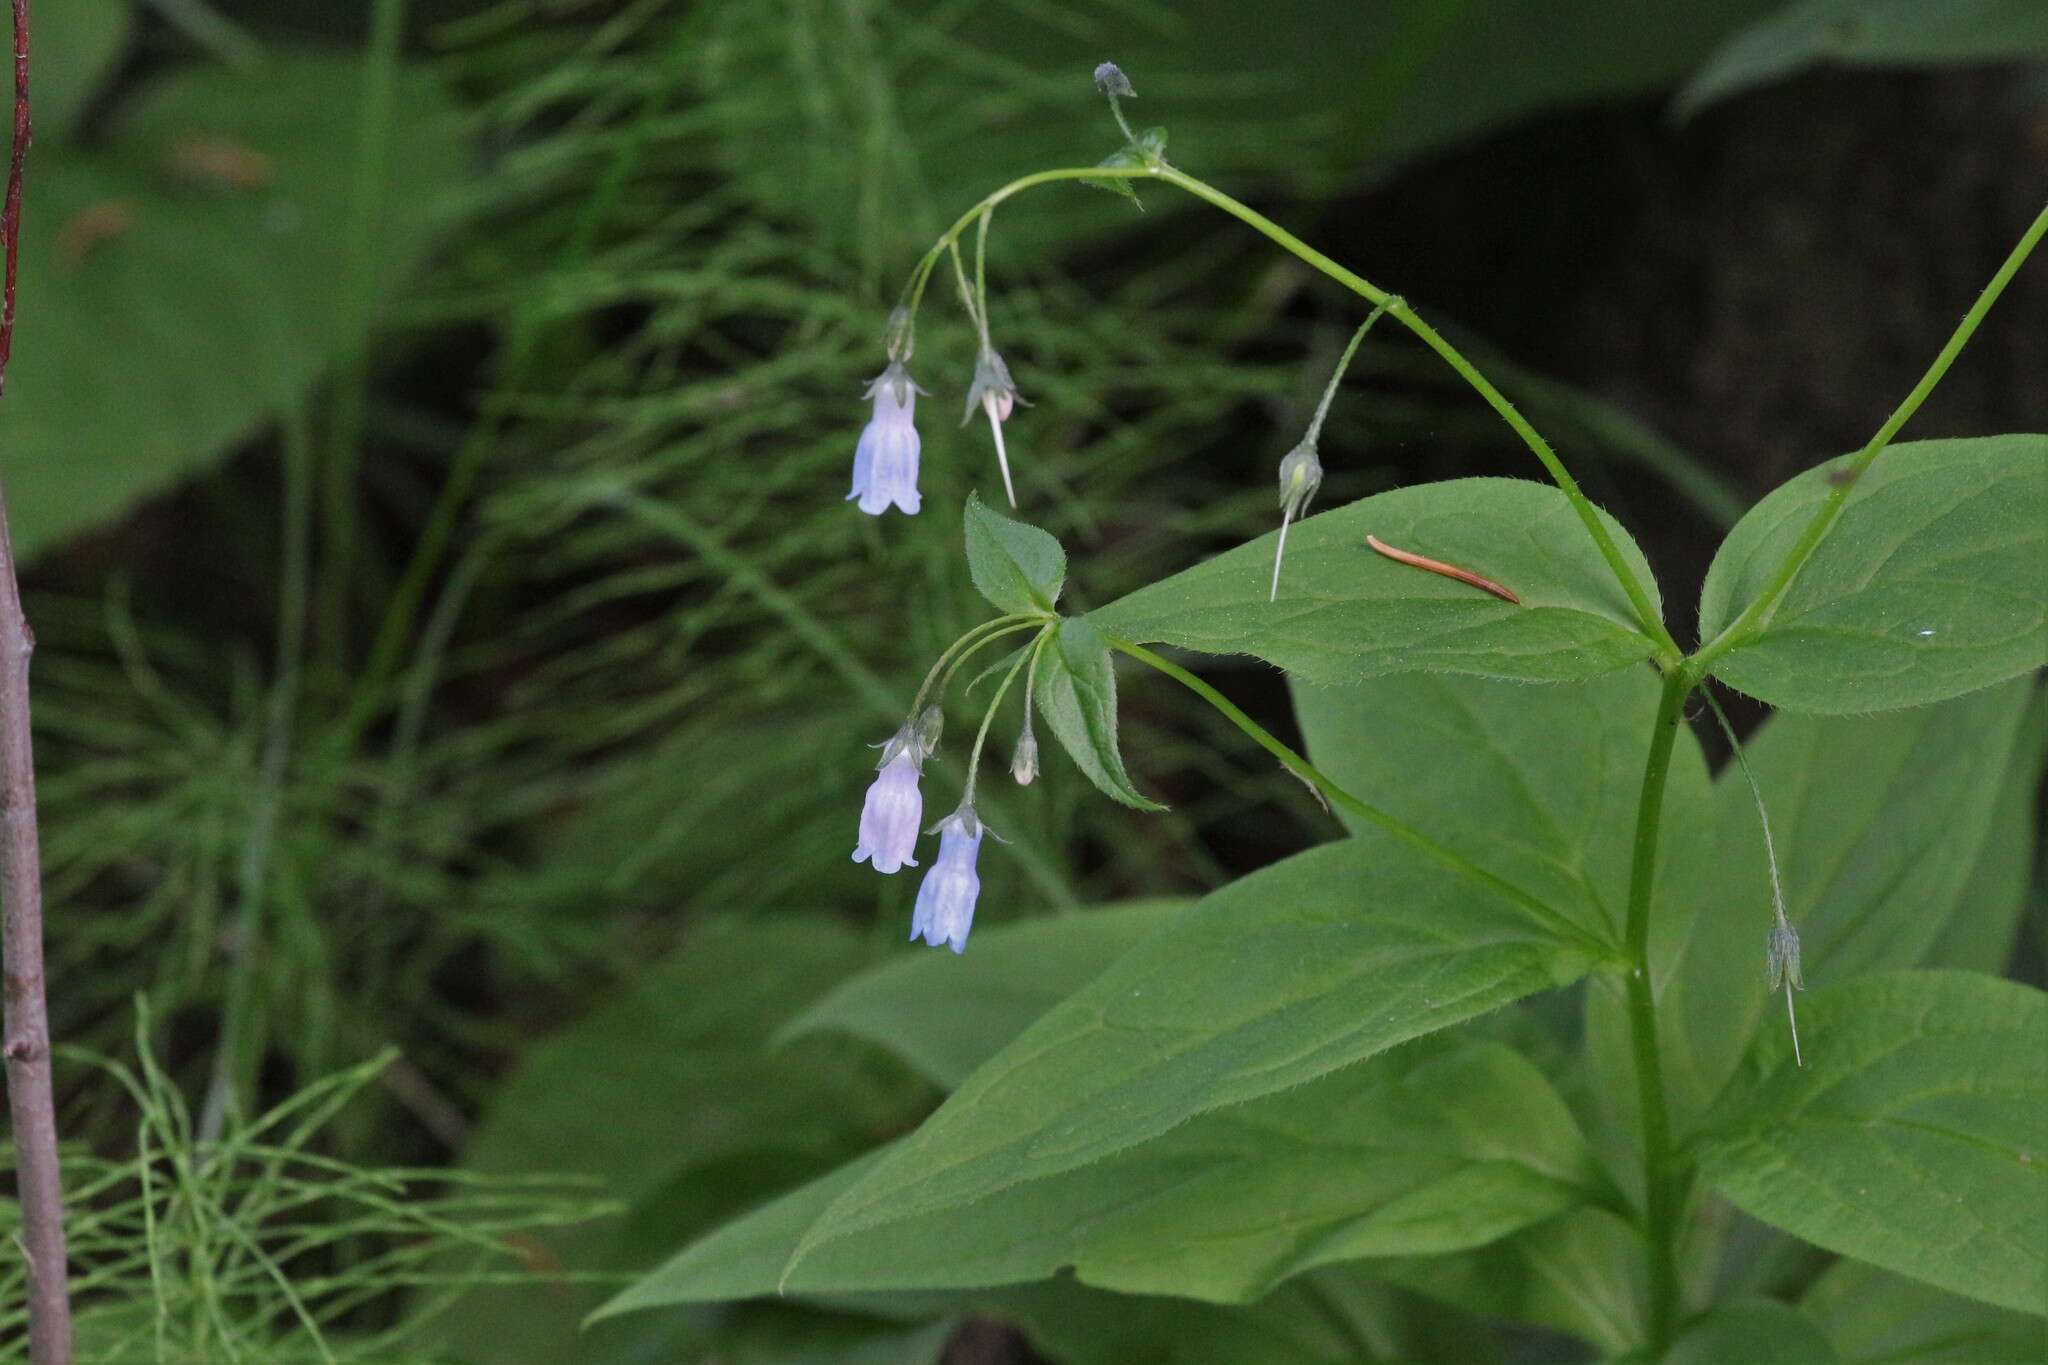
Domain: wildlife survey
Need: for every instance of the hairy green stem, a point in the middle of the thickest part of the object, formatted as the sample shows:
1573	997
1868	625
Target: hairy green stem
1745	624
1662	1186
988	717
1315	425
1638	595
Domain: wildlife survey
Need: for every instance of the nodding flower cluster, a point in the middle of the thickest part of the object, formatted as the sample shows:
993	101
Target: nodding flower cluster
889	820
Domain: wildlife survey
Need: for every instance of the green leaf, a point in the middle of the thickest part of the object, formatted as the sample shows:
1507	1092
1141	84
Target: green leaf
1346	613
1880	824
987	997
1980	937
1018	568
1277	95
1538	785
1869	33
1929	585
1075	681
1914	1136
1581	1272
209	306
687	1043
1755	1332
1317	962
1874	1316
1439	1146
75	46
1323	1318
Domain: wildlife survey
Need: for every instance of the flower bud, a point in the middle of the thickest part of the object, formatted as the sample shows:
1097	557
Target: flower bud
1111	80
930	726
898	335
1024	763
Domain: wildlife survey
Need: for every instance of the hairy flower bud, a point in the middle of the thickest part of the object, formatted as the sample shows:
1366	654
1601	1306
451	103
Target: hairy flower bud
1024	762
930	726
898	335
1111	80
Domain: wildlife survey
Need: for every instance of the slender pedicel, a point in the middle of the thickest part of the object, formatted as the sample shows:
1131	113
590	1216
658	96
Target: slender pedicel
1447	570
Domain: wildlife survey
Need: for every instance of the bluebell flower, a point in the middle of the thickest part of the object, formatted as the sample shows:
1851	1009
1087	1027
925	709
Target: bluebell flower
945	902
885	462
894	807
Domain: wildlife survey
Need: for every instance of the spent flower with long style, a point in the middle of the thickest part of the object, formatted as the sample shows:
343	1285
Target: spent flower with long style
1781	948
1301	474
996	395
945	901
894	807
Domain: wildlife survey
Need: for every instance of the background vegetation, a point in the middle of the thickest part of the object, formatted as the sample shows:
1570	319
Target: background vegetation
427	431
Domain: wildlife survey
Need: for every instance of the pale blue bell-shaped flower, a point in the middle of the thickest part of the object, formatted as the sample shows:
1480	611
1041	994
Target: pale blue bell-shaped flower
885	462
890	816
945	902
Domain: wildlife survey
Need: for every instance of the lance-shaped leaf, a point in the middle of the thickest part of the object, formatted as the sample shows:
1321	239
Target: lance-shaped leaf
1753	1331
1932	583
1536	784
1914	1136
1877	1318
1317	962
1075	681
1346	612
193	276
987	997
1439	1146
1017	567
1867	33
1581	1272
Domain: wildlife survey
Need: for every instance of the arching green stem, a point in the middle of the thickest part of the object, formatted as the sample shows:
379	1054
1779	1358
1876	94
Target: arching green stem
1757	611
1638	594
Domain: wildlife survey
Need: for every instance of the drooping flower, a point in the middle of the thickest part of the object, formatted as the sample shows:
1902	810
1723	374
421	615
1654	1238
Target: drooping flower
1301	474
894	807
885	462
945	902
996	395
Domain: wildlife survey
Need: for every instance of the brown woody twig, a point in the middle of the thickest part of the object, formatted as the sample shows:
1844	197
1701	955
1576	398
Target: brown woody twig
26	1026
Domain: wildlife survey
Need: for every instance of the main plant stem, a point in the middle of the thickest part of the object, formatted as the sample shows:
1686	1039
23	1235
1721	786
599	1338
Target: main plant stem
31	1108
1663	1192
